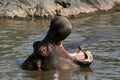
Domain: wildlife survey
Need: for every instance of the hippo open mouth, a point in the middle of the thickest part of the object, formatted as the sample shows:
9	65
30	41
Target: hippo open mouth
83	58
50	54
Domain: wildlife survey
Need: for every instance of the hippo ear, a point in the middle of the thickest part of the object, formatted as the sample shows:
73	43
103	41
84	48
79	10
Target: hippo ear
43	51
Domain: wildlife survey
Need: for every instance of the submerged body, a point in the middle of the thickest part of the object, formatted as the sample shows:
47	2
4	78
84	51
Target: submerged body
50	54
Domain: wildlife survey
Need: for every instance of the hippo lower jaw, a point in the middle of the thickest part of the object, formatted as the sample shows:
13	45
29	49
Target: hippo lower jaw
84	59
59	58
81	58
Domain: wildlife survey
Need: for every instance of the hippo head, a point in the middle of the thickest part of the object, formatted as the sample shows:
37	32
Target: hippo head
60	28
50	54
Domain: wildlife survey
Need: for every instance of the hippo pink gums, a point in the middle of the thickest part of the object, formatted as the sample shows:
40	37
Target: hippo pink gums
50	54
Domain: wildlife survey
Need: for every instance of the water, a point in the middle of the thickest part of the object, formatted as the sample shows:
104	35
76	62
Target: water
98	33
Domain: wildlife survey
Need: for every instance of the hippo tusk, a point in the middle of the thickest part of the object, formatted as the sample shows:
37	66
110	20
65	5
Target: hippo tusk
79	48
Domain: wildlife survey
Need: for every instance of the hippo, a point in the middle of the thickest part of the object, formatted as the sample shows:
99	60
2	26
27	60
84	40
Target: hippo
50	54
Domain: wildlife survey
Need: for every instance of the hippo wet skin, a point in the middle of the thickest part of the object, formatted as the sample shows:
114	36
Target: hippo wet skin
50	54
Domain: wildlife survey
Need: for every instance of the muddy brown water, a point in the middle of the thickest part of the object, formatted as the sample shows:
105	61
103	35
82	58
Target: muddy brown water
99	33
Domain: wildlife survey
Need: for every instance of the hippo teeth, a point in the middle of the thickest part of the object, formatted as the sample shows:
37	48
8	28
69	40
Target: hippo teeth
87	52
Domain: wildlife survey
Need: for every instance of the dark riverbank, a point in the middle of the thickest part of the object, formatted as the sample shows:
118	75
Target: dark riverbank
46	8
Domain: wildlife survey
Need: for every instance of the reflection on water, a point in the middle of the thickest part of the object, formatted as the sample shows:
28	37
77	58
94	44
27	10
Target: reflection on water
99	33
